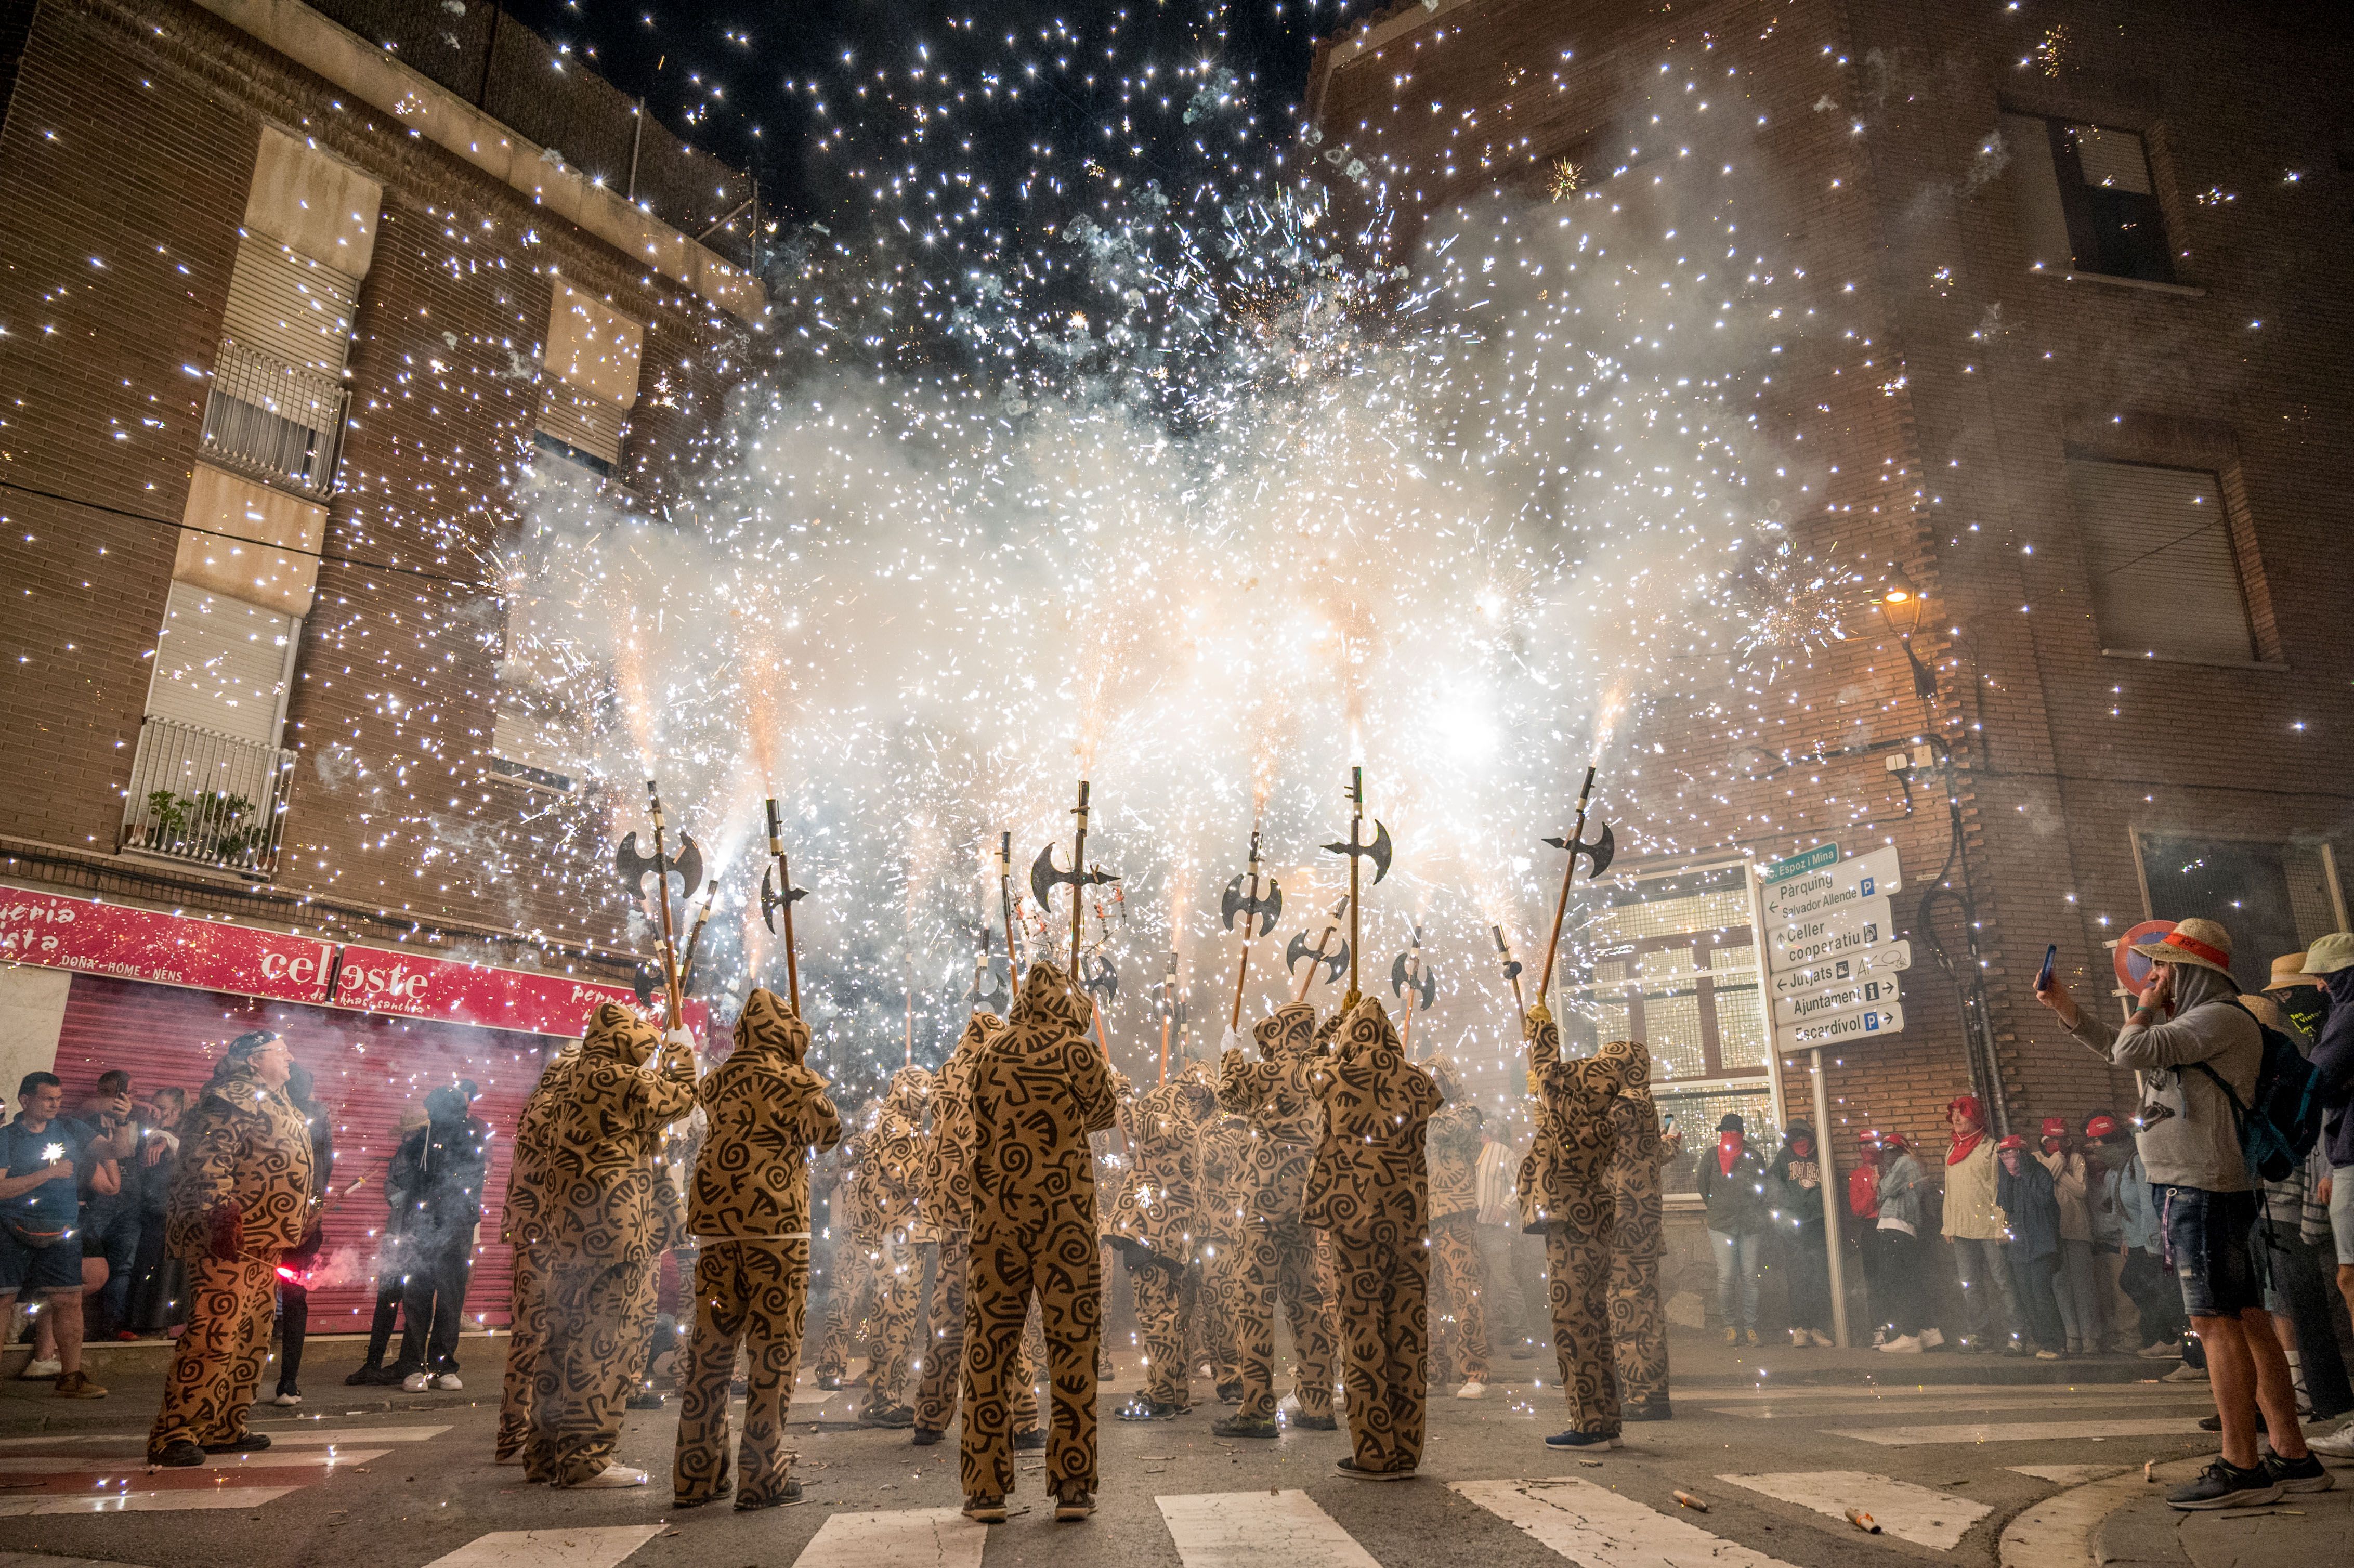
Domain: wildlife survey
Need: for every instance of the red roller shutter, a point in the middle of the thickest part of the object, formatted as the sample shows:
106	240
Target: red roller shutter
370	1070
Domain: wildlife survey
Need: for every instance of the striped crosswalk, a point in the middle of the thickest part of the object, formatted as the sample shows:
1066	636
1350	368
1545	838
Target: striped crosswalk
1597	1528
1240	1530
1913	1512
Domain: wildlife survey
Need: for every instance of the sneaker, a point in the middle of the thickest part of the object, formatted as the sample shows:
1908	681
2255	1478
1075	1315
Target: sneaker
35	1371
1347	1466
1072	1506
784	1496
987	1508
1030	1442
1932	1338
1474	1390
1750	1336
416	1383
1246	1427
251	1443
1823	1342
1230	1393
1524	1352
1143	1409
288	1398
896	1416
1798	1341
364	1377
831	1382
1316	1423
2304	1474
924	1436
178	1454
2047	1355
2224	1485
1649	1410
1904	1345
2338	1445
76	1384
1576	1439
643	1399
1733	1336
609	1477
2164	1350
448	1382
2186	1373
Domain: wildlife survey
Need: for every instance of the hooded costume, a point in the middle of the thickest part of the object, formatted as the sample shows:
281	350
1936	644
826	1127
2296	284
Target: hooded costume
521	1226
894	1161
857	1233
604	1228
1368	1189
1638	1325
748	1208
1039	1088
241	1197
1452	1150
1566	1195
1225	1146
1278	1252
1156	1224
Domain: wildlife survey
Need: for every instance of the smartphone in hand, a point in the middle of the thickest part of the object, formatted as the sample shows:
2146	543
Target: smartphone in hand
2043	976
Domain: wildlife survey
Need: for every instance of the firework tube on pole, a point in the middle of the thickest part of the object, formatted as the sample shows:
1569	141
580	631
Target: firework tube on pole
1511	968
1006	910
771	902
695	937
632	869
1043	877
1357	851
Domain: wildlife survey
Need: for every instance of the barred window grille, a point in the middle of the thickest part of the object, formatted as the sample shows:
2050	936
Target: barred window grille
201	796
273	419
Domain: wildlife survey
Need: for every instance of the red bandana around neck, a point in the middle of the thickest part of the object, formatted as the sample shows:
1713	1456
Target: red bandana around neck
1964	1146
1729	1146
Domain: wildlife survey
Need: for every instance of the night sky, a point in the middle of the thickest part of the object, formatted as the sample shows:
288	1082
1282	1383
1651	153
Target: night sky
979	117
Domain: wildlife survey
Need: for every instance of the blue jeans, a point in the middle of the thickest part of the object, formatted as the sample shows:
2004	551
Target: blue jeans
114	1237
1737	1262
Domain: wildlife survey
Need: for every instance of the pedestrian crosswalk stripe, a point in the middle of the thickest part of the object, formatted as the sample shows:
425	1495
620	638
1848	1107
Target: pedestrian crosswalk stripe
1597	1528
169	1500
2019	1403
599	1546
233	1464
935	1537
2020	1431
351	1434
1241	1530
1915	1513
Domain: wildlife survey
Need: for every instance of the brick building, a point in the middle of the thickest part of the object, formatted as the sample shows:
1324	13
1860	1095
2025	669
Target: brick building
298	308
2066	290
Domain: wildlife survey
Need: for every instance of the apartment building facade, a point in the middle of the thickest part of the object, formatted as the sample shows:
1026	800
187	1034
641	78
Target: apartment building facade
293	332
2072	410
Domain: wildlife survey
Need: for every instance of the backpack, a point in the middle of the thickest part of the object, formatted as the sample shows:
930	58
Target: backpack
2280	1129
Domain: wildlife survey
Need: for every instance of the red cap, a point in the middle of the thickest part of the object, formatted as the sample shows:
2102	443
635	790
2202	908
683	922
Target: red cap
1868	1135
2013	1141
2101	1126
2055	1127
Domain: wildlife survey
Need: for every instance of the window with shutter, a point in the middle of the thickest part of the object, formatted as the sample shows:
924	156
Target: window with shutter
2085	200
2158	545
220	665
592	359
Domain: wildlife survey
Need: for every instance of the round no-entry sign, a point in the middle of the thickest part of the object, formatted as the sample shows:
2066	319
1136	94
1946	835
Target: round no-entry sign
2133	970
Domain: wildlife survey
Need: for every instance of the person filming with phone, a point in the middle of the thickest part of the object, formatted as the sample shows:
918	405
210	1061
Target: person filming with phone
2195	1051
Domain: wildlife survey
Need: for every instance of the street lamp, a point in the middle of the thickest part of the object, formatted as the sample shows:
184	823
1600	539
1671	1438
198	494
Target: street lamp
1899	606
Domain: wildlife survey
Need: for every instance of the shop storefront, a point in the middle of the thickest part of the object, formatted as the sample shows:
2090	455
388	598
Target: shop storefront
157	995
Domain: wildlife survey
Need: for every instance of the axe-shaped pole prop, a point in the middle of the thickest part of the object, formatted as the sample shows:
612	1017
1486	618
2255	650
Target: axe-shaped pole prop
1332	924
1598	853
1511	968
784	875
1078	866
695	937
1357	850
662	898
1254	911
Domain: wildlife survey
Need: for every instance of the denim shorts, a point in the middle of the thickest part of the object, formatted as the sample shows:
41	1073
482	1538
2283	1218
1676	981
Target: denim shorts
2208	1236
38	1270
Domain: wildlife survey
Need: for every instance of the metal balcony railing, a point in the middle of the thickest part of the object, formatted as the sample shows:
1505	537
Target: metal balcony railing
201	796
275	419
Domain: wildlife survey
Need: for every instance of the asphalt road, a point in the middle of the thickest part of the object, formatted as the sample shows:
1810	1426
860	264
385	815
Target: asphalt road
394	1481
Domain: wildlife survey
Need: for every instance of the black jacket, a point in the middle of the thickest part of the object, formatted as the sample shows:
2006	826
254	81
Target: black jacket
435	1185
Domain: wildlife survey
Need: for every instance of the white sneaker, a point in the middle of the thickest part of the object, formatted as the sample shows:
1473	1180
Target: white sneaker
1823	1340
1879	1338
2338	1445
50	1368
2164	1350
612	1475
1904	1345
1472	1391
287	1400
416	1383
448	1381
2186	1373
2047	1355
1798	1340
1931	1338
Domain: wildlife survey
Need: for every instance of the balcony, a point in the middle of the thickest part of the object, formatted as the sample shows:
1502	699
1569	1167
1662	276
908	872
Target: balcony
206	798
278	422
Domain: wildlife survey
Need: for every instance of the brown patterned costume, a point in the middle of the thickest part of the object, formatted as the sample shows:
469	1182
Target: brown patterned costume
748	1208
1156	1223
1225	1150
892	1165
1638	1326
523	1227
605	1228
852	1295
1277	1253
1565	1196
238	1199
1039	1088
1369	1191
1453	1152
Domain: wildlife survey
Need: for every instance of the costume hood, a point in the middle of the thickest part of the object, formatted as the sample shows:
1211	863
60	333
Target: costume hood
1048	998
617	1035
768	1029
1284	1034
1630	1062
1446	1075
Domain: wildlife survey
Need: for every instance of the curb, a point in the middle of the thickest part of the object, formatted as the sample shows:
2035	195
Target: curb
2065	1529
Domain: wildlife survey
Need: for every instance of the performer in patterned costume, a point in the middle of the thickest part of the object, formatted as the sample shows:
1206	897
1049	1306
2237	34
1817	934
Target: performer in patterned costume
1565	1196
1278	1252
1225	1150
239	1198
1368	1189
1453	1152
749	1209
599	1146
1039	1088
852	1297
1638	1325
1155	1221
522	1225
891	1164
